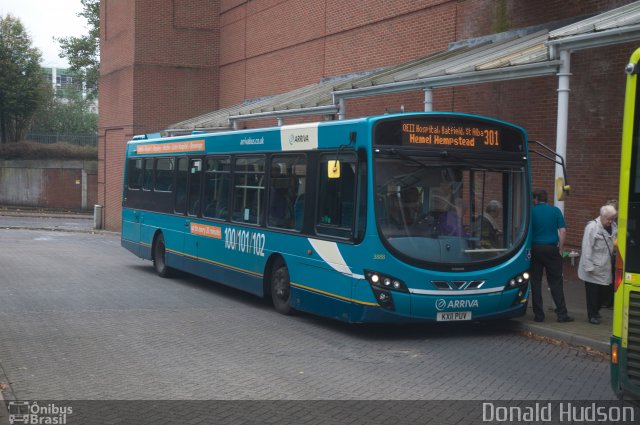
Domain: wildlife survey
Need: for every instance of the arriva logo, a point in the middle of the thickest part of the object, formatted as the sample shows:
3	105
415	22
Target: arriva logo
441	304
300	138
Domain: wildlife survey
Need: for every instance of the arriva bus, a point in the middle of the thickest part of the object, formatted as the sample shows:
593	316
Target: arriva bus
421	216
625	340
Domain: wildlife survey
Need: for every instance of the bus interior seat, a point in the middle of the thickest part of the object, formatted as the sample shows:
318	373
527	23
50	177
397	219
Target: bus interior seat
298	212
211	209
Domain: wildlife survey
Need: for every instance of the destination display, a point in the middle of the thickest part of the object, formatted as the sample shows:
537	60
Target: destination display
454	135
173	147
450	132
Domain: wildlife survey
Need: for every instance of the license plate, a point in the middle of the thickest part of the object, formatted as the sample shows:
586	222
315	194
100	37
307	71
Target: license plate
452	316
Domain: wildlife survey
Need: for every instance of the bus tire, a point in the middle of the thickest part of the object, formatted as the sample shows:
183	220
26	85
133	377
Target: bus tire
160	257
280	287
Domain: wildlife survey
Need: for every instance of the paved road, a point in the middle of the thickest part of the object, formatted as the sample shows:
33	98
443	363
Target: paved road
83	319
45	221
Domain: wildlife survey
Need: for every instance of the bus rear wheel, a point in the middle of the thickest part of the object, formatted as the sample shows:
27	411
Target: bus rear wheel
159	257
280	287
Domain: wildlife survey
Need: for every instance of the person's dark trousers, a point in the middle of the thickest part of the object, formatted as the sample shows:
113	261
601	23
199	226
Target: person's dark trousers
547	258
607	297
595	294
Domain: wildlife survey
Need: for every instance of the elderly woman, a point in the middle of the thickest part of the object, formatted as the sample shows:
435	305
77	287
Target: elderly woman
595	260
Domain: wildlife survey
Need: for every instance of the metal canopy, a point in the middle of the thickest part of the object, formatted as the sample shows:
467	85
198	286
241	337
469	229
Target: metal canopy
518	54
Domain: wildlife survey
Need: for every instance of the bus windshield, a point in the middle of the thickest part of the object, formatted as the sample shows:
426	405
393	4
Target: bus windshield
431	211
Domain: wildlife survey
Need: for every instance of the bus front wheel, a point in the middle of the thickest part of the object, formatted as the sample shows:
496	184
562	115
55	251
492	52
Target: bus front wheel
159	257
281	288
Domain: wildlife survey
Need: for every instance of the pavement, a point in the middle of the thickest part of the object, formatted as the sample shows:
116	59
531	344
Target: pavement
579	333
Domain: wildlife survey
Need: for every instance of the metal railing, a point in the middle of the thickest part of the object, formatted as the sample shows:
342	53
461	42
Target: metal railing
74	139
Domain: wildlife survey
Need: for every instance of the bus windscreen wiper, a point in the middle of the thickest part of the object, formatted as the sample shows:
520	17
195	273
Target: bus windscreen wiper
449	156
396	152
443	155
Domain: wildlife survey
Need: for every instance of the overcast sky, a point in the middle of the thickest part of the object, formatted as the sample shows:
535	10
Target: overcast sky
45	19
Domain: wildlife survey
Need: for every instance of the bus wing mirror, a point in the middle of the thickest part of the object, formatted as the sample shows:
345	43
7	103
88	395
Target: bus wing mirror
562	190
333	169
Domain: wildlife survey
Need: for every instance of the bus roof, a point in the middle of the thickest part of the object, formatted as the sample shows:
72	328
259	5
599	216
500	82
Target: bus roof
297	137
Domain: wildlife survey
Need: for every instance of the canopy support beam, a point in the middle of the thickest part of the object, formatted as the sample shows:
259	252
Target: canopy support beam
562	126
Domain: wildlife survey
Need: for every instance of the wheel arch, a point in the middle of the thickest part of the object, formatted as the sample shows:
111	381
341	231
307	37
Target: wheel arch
157	233
268	271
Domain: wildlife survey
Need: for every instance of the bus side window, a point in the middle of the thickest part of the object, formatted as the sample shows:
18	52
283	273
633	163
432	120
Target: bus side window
216	191
164	175
336	202
248	189
195	172
286	191
300	174
181	185
147	183
135	173
362	197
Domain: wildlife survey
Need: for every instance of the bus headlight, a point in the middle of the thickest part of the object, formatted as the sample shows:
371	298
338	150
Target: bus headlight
383	286
520	280
385	281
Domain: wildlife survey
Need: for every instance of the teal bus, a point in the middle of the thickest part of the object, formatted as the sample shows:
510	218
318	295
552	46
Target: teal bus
392	218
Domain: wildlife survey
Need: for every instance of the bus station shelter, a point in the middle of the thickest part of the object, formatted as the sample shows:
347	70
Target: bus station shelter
520	54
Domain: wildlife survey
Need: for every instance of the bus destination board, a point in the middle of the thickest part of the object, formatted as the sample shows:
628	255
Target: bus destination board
461	135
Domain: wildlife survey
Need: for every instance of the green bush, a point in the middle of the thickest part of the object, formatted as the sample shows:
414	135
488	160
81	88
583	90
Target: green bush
30	150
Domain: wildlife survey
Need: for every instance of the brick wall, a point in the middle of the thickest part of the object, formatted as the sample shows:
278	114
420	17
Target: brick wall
159	65
233	50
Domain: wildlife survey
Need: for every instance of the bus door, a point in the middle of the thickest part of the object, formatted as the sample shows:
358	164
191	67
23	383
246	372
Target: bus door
337	227
244	240
133	193
215	206
175	239
193	201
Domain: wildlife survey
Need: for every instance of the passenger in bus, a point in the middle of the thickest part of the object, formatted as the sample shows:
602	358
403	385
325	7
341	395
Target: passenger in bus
450	223
487	226
405	207
280	200
596	260
298	211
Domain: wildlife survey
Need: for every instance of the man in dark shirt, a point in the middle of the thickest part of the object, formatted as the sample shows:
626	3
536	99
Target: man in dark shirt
549	231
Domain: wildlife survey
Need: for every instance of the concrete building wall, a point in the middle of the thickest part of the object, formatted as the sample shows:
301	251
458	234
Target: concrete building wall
68	184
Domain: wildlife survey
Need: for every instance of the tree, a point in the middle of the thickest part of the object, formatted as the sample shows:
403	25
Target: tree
70	114
83	53
21	83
